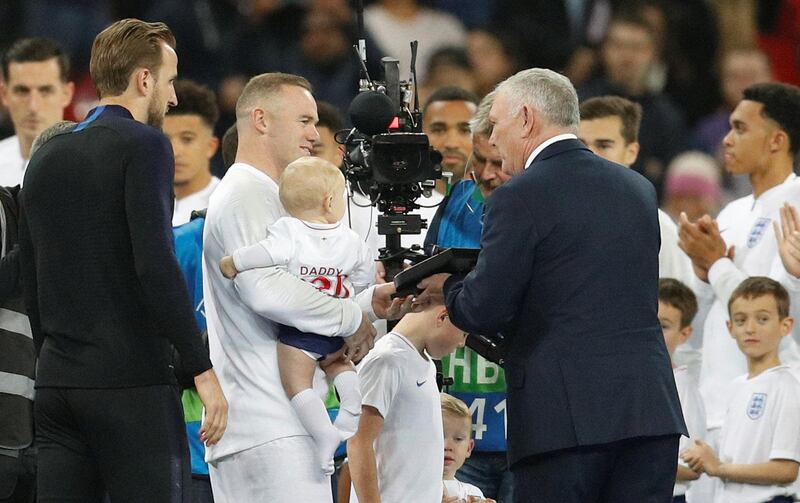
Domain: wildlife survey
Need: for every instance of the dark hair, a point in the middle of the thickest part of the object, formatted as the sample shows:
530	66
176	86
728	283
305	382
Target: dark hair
329	116
449	56
782	105
759	286
450	93
633	15
27	50
230	144
121	48
676	294
195	99
629	113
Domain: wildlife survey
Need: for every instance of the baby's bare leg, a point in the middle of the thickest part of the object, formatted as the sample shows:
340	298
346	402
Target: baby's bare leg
297	373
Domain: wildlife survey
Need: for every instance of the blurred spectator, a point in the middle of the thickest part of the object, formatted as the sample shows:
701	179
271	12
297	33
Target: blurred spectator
628	54
557	34
204	31
736	20
692	186
494	57
74	23
779	37
393	24
687	39
472	14
36	91
740	69
449	66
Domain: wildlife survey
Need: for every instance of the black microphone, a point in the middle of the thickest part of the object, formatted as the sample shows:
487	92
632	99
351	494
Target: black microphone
371	112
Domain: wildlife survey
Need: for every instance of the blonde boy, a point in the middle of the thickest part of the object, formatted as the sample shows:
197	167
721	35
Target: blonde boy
458	444
759	442
314	245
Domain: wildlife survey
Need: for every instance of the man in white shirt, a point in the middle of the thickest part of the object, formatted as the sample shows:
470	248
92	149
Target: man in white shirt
190	129
267	455
763	144
36	91
610	128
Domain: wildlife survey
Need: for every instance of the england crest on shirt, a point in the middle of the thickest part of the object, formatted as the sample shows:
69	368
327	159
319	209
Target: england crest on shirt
756	406
757	232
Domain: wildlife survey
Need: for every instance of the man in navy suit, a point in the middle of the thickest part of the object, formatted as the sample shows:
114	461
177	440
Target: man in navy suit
568	272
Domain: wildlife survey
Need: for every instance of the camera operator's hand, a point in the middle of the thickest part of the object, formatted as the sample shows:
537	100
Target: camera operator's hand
359	344
385	306
210	393
432	291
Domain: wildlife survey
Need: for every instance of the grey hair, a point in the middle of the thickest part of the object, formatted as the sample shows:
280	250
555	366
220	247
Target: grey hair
551	93
480	123
59	128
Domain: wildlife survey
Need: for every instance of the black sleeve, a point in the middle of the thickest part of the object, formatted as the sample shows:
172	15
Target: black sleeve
27	267
148	205
9	274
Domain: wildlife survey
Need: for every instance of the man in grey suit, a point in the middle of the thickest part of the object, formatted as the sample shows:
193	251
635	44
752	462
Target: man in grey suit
568	272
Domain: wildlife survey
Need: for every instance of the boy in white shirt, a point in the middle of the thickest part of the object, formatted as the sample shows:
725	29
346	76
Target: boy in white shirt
677	307
314	245
396	454
759	450
458	444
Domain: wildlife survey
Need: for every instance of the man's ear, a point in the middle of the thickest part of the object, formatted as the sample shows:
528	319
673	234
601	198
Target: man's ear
259	119
144	80
529	120
779	141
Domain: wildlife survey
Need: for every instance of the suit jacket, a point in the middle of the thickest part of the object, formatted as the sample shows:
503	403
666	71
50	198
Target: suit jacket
568	272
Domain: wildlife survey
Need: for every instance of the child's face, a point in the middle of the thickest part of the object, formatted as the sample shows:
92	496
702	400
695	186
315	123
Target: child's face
458	443
757	327
669	317
446	337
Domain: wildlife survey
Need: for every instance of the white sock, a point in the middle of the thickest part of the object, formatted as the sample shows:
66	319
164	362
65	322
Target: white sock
311	411
347	384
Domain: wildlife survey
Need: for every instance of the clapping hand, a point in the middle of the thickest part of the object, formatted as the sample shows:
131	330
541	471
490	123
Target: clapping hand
701	458
702	242
788	236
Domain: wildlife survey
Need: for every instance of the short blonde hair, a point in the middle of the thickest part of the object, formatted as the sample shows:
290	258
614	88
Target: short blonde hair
454	406
264	87
306	183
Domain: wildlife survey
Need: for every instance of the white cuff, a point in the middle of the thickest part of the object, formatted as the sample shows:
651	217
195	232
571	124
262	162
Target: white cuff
364	301
719	268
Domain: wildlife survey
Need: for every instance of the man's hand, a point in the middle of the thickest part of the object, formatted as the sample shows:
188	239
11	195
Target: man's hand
788	236
701	458
359	344
701	241
210	393
432	290
385	306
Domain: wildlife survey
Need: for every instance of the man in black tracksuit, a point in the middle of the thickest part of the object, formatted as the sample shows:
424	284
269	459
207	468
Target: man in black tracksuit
104	291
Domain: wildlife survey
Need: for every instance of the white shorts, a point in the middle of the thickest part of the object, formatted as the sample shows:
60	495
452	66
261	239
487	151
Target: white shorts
281	471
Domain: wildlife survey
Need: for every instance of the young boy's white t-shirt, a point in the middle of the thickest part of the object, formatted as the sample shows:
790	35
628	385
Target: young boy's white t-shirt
694	414
401	384
330	256
762	423
461	490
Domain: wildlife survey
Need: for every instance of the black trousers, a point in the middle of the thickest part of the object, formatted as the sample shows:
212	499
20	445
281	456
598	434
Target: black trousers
129	443
18	476
632	471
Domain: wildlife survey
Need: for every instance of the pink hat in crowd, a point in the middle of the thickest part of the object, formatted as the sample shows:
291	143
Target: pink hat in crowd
693	174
